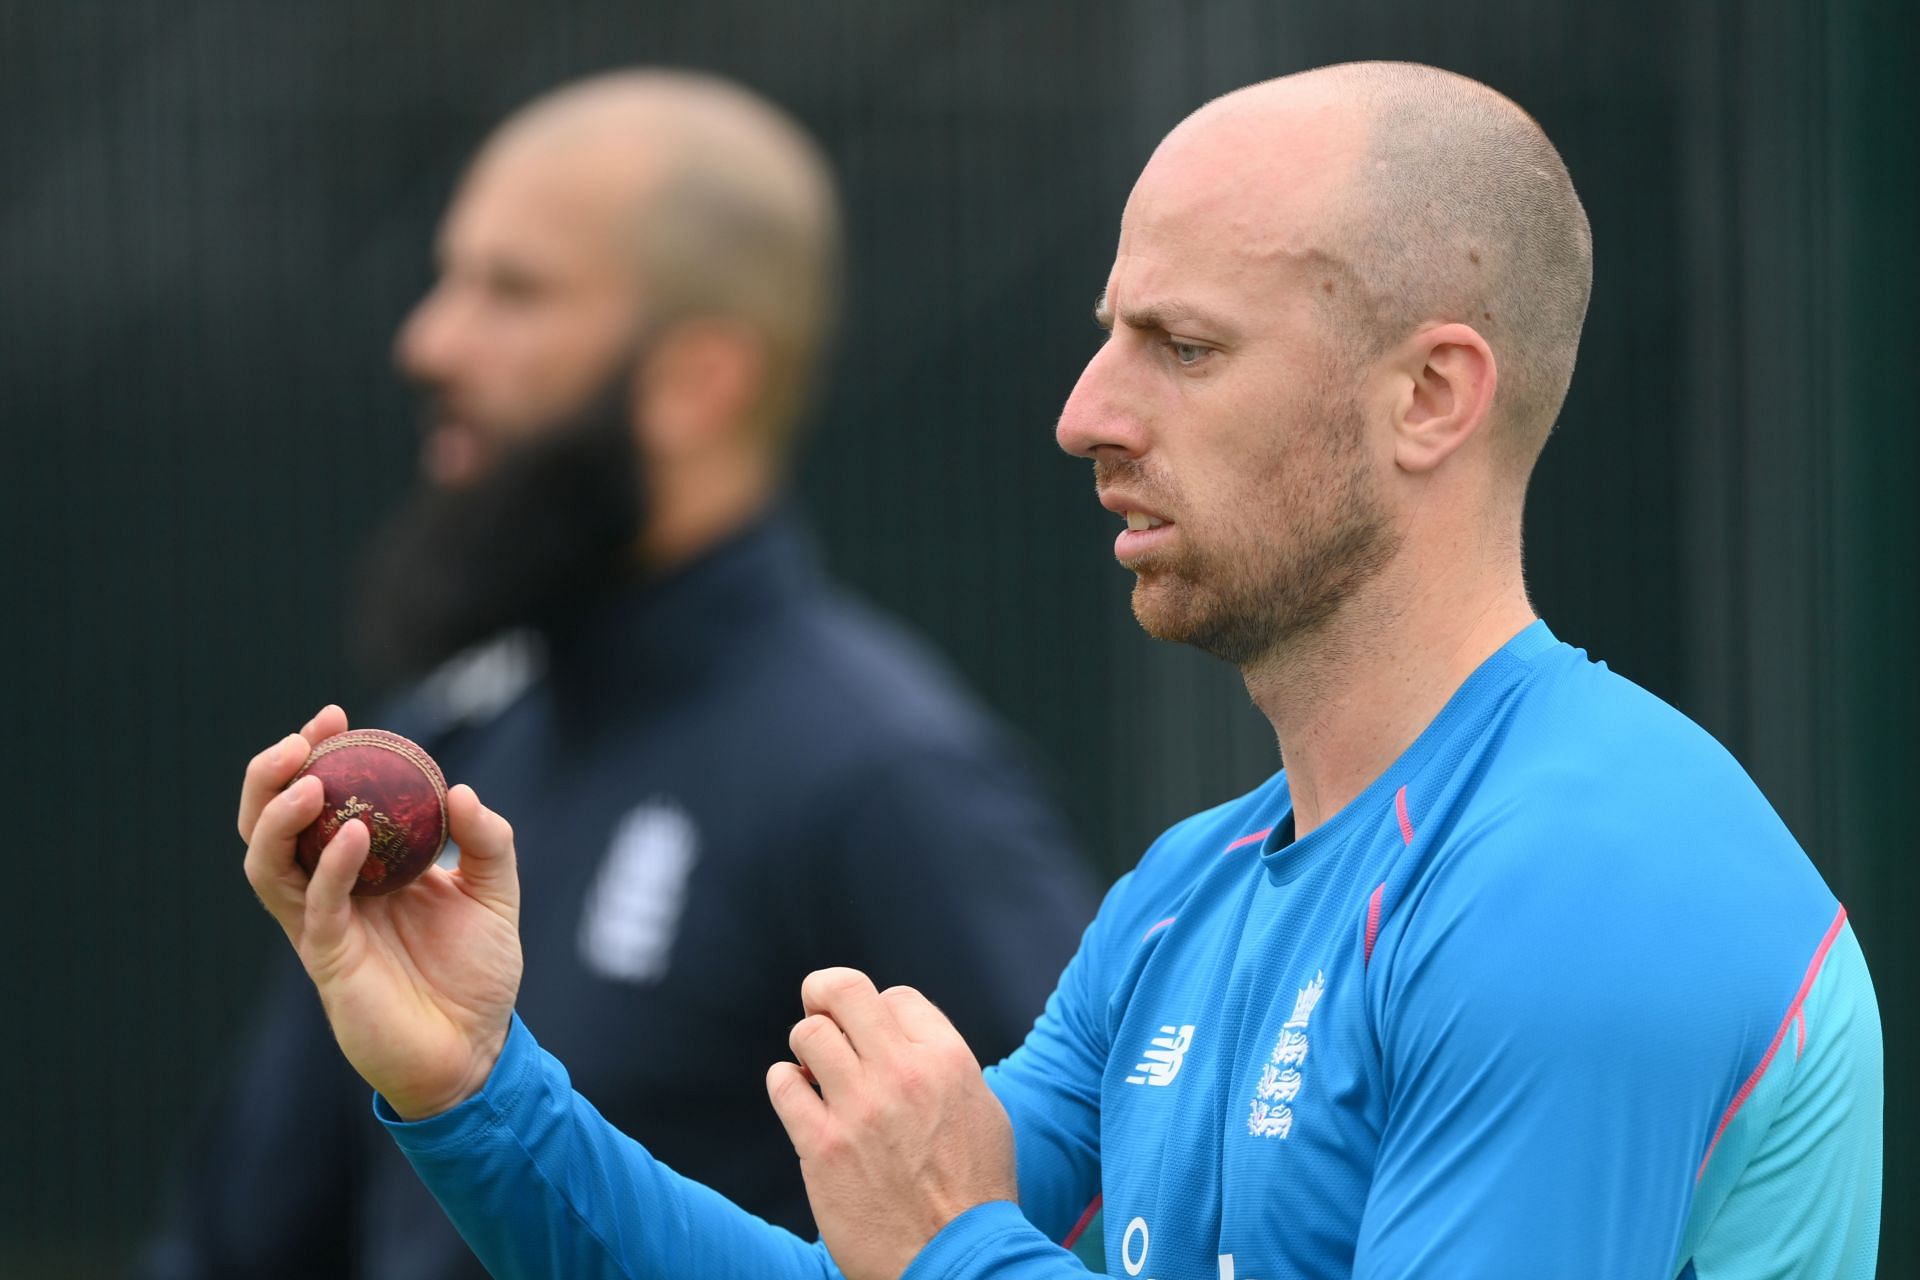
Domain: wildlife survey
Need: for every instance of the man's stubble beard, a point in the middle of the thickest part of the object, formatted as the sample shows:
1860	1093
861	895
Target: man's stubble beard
551	524
1319	536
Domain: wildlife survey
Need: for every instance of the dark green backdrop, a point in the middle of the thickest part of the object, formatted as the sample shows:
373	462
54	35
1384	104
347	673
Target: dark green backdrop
212	215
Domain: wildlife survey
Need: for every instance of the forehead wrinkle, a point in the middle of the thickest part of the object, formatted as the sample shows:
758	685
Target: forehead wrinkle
1161	292
1250	282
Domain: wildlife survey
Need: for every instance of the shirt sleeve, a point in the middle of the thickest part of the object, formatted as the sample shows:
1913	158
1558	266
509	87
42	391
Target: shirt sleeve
539	1184
1557	1042
993	1242
1050	1087
1792	1178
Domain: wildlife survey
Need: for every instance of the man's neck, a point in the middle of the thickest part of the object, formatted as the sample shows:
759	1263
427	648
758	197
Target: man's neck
1347	700
697	507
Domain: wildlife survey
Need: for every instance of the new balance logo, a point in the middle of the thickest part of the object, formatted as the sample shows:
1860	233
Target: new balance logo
1165	1053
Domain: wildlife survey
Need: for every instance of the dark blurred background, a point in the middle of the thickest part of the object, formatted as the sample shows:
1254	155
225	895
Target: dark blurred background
212	216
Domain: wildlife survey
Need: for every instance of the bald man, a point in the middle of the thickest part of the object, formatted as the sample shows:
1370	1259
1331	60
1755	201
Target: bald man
1509	972
725	773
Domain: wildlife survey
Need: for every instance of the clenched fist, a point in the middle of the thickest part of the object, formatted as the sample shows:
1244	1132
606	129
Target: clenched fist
903	1135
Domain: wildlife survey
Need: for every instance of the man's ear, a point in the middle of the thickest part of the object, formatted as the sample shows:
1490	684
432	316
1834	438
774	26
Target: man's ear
1448	398
699	384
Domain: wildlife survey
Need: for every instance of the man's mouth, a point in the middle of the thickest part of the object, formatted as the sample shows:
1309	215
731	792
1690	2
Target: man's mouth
1144	535
451	454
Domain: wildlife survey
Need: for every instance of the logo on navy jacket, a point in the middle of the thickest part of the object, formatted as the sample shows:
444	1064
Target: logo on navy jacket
633	907
1284	1073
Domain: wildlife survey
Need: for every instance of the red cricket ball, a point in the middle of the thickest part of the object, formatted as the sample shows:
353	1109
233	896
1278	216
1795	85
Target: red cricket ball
392	786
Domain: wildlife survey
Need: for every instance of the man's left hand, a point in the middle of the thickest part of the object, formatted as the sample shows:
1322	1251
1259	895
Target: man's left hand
903	1136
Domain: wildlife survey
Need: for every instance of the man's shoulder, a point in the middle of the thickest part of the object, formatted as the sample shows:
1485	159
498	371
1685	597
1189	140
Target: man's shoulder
841	715
1597	821
848	678
1599	760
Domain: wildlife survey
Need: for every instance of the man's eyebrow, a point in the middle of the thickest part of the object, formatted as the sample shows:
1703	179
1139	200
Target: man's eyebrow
1164	316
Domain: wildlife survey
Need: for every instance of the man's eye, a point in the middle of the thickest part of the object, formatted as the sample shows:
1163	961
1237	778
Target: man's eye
515	288
1189	353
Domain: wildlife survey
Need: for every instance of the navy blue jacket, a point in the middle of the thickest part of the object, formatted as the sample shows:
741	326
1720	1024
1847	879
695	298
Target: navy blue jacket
718	782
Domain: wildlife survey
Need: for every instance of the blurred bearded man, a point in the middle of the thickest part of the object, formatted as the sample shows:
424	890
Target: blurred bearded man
727	772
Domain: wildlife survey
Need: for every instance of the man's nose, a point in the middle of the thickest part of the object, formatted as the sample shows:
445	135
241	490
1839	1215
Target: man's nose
1103	414
426	348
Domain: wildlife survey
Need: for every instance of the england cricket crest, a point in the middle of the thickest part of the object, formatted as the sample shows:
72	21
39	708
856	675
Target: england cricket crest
1280	1077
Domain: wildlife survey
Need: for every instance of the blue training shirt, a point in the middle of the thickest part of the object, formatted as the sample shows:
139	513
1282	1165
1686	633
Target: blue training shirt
1558	994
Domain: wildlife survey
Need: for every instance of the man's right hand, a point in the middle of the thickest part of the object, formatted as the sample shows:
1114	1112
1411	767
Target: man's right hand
418	984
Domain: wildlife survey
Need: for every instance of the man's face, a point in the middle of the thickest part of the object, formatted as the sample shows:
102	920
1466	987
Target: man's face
1224	418
537	302
527	350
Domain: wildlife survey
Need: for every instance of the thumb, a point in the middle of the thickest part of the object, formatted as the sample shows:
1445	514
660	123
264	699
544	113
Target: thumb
801	1110
486	850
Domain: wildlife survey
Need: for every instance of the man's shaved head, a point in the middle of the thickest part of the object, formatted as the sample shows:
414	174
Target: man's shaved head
1453	206
1342	316
727	204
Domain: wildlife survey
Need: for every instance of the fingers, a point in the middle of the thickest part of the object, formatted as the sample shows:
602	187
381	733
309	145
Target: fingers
822	1049
327	910
327	722
485	840
849	998
918	1018
800	1109
268	772
270	865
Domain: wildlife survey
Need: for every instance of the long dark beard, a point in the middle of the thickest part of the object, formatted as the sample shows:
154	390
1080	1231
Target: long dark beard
553	522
